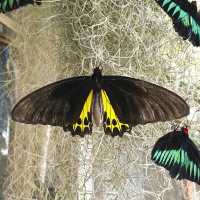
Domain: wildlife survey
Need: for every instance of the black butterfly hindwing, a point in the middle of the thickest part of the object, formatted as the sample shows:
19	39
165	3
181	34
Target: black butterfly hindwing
9	5
120	102
186	19
111	122
177	153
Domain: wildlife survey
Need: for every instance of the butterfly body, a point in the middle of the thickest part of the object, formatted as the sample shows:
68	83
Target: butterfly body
177	153
185	18
115	102
97	110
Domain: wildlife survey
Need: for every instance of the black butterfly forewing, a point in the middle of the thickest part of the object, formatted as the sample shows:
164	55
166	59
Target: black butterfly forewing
57	104
179	155
140	102
185	18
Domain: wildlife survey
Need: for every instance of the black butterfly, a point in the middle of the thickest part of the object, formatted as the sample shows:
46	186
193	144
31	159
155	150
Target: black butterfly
9	5
116	101
177	153
186	19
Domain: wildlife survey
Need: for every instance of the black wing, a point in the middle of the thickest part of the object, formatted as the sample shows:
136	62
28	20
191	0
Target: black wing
57	104
178	154
140	102
9	5
186	19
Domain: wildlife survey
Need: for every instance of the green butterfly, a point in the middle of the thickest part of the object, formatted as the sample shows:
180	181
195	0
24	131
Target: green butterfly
9	5
177	153
185	18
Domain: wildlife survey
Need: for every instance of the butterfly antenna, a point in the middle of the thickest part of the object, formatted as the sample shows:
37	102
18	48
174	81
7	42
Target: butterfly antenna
100	66
96	64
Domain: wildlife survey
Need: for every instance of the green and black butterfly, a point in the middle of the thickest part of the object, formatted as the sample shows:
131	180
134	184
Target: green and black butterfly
185	18
116	102
9	5
177	153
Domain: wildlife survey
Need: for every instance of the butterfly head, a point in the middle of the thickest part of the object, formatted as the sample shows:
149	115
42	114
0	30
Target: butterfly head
185	130
97	77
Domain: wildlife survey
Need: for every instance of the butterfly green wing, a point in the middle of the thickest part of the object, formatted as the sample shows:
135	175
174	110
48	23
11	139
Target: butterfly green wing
178	154
139	102
9	5
58	104
190	166
185	17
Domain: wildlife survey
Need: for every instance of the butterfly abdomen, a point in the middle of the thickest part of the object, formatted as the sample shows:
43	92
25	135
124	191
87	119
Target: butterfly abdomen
97	110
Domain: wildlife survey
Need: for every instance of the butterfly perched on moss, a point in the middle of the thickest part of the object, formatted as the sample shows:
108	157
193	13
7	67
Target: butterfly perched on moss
185	18
116	102
9	5
177	153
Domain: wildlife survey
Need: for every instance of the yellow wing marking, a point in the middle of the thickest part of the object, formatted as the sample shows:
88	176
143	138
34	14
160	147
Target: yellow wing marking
84	121
111	121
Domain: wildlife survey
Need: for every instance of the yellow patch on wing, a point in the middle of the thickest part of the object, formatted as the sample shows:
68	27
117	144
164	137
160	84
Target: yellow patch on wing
84	122
111	121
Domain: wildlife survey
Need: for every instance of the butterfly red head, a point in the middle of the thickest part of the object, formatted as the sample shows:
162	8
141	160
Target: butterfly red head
185	130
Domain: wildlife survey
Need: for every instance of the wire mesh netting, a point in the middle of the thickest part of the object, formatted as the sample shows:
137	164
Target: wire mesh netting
69	38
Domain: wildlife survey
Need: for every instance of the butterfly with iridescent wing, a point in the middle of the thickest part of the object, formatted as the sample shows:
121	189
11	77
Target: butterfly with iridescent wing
10	5
176	152
115	102
185	18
